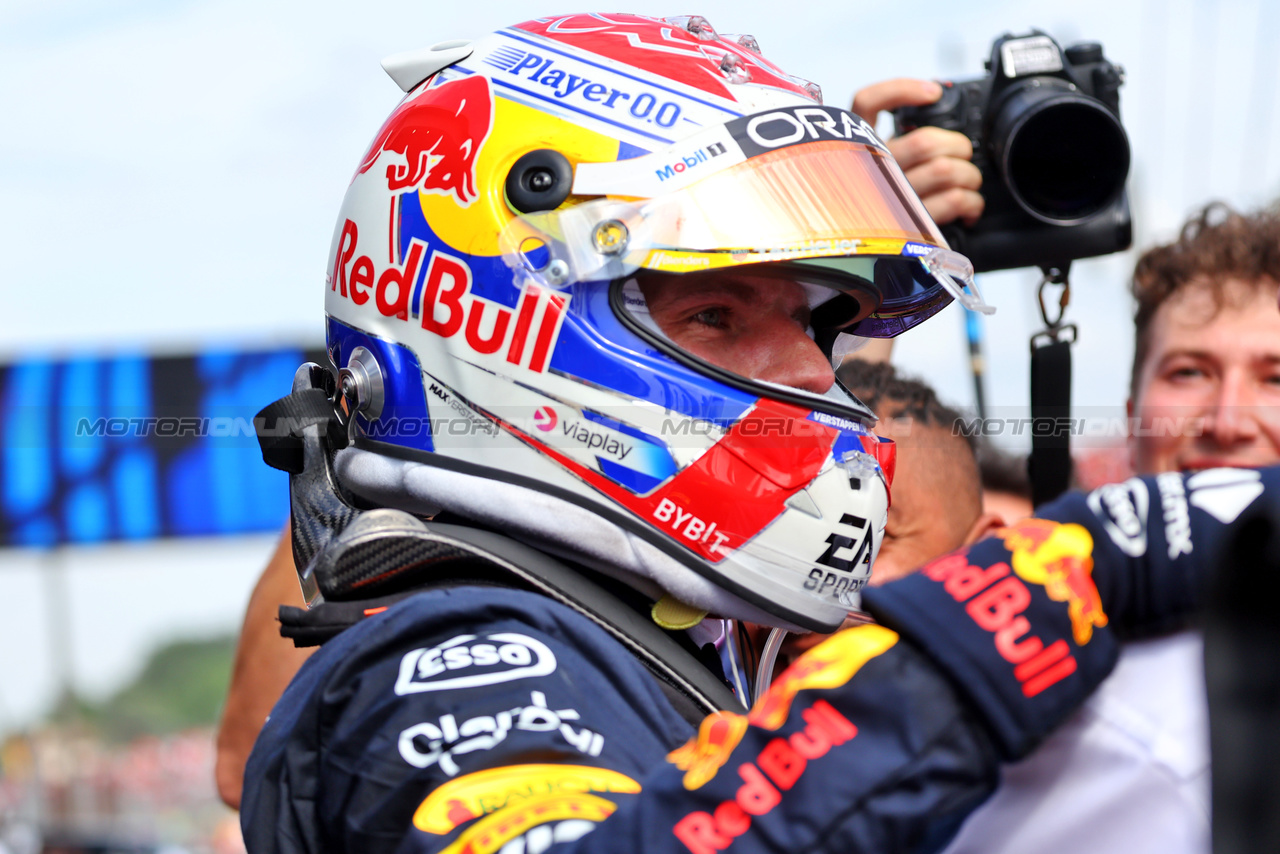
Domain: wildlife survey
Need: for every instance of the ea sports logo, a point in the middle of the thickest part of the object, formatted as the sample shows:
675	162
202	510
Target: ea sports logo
545	419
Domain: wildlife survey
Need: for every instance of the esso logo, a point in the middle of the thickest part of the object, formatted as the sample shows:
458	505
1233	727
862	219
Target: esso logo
545	419
468	661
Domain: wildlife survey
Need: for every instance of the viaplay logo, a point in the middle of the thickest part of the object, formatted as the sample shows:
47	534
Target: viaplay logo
545	419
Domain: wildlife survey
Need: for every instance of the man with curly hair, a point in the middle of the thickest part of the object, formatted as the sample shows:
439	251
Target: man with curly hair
1207	346
1130	772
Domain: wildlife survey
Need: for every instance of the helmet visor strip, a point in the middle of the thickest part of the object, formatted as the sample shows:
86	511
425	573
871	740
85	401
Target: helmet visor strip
824	200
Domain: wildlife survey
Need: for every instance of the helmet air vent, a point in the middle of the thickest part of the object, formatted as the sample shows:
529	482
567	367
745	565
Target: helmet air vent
411	67
749	42
697	25
734	70
539	181
812	89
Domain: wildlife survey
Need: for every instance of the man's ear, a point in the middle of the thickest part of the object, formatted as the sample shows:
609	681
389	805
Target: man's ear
984	526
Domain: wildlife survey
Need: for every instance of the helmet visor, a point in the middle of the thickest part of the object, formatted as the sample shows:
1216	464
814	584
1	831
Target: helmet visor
828	203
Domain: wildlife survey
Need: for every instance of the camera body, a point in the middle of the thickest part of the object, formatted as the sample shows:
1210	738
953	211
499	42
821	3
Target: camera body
1046	133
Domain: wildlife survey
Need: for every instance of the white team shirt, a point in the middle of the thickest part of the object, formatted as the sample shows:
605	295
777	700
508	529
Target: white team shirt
1128	774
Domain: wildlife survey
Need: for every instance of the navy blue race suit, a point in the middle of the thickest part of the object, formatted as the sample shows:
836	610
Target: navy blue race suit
482	720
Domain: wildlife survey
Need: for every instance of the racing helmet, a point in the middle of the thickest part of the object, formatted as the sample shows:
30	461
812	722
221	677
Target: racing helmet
488	300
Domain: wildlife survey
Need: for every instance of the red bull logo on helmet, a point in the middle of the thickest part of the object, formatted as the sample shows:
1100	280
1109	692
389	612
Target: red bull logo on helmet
435	293
439	134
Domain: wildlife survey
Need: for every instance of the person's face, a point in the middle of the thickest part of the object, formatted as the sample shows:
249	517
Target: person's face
1208	393
753	324
925	520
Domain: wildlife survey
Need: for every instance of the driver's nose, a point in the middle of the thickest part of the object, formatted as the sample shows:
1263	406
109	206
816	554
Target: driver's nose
794	359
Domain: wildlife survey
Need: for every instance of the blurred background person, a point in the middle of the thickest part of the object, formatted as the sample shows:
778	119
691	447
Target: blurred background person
1006	489
1131	771
937	494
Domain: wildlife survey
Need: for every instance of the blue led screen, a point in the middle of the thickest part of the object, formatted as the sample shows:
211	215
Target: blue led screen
131	447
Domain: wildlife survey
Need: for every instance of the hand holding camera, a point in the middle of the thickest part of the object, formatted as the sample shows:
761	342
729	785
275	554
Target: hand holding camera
1046	140
937	163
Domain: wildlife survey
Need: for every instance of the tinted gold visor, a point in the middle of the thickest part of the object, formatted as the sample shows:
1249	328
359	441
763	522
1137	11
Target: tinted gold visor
814	200
822	199
834	201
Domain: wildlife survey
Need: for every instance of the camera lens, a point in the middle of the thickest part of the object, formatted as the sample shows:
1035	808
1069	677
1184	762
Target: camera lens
1064	156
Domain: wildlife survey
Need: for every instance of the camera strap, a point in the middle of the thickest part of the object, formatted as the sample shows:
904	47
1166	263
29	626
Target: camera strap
1049	465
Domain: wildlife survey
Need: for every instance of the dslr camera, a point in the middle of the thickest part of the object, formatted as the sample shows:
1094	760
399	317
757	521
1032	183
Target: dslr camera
1046	134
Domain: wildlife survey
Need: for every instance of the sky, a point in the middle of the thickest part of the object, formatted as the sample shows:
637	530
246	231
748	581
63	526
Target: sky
171	171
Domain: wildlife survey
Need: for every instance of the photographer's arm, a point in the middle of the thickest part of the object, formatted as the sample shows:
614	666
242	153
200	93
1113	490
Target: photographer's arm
935	161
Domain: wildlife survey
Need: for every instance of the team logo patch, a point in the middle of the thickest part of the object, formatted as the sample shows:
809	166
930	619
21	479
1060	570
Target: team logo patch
1059	558
776	769
1123	507
828	665
470	661
542	821
701	757
484	792
439	742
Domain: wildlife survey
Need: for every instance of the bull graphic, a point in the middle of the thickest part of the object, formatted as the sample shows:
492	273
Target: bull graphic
1060	559
440	134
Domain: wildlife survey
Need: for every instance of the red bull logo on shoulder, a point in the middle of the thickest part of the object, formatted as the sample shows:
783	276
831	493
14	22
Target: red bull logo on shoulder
1060	559
1049	555
439	134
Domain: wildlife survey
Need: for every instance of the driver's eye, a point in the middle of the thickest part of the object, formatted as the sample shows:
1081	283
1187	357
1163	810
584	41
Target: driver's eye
714	317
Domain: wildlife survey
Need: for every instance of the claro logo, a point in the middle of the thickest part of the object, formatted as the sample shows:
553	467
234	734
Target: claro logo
469	661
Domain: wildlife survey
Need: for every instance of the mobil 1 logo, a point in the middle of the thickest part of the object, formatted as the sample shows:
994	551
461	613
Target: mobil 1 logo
469	661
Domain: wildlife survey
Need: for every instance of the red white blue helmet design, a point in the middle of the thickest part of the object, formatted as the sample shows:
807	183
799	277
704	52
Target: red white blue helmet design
482	285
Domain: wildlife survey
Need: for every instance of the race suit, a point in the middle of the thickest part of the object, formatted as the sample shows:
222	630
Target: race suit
481	720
